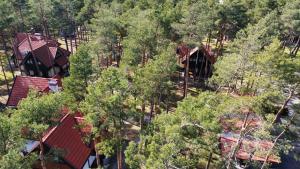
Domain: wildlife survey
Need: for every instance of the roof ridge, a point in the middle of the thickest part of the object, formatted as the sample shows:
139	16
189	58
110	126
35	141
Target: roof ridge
51	131
34	77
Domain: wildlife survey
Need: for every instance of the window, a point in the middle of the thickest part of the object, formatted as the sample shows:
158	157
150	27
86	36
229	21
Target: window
51	72
57	69
22	67
31	72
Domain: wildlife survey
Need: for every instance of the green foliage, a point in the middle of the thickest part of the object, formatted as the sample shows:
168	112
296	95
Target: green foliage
106	107
199	19
86	12
232	17
106	147
81	71
291	16
10	139
6	16
13	159
239	68
141	41
140	35
37	113
153	80
108	37
181	139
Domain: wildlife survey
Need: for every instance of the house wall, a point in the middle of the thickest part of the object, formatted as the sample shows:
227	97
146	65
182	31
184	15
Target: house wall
200	66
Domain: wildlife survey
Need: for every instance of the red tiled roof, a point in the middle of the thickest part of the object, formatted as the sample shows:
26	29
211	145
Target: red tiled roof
44	50
246	147
50	165
65	136
21	87
84	127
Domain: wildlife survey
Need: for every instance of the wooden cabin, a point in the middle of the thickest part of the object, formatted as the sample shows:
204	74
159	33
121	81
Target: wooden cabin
201	61
36	55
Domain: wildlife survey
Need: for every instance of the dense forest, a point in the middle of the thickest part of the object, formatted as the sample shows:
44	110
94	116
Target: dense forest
158	84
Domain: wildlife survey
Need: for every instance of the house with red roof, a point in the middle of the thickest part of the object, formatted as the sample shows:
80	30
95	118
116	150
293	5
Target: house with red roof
22	85
64	143
38	56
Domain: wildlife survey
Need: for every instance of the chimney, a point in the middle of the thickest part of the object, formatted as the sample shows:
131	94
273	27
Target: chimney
53	85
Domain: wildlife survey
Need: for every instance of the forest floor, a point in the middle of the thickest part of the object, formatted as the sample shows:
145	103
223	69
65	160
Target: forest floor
3	83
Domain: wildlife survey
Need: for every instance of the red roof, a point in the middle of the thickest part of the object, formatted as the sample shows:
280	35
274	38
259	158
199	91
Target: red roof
67	137
45	50
247	147
51	165
21	87
85	128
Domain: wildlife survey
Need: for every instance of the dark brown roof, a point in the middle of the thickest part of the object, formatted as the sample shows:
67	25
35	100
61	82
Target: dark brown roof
45	50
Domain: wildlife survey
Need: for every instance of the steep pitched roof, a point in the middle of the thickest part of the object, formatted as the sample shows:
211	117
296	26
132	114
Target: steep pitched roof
45	50
183	51
23	84
67	137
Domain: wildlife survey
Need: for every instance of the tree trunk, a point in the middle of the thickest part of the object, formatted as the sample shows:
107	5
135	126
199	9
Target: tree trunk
274	143
119	157
97	154
206	70
238	143
75	32
143	114
296	48
7	55
66	42
144	58
42	157
33	55
220	48
4	74
217	40
209	160
208	40
81	33
291	94
186	75
151	108
119	54
86	34
44	23
107	62
71	45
